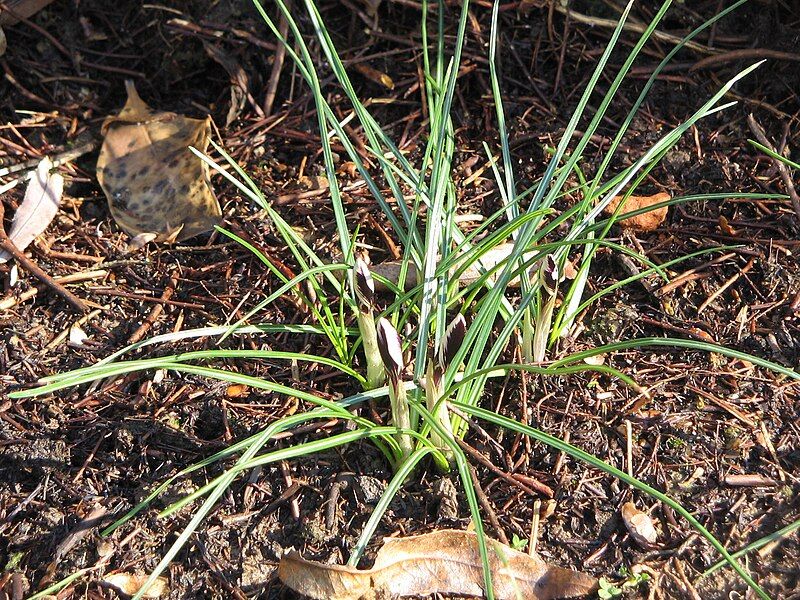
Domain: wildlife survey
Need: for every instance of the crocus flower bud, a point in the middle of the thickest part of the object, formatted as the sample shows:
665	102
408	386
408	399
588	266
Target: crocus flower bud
390	348
451	341
549	274
365	286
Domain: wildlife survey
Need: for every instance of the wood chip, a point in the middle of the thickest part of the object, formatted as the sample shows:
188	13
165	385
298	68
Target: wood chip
749	480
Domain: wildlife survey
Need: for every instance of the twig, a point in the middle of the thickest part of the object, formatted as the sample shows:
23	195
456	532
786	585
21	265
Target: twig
57	159
629	448
725	286
724	405
157	309
686	276
534	538
487	506
743	54
30	266
634	27
536	487
749	480
12	301
277	65
786	176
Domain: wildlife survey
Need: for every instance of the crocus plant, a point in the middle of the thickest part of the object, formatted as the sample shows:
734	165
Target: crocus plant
434	389
391	352
549	277
365	294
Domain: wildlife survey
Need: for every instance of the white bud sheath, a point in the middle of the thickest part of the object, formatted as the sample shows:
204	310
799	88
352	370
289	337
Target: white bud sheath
392	355
365	286
437	405
376	374
390	349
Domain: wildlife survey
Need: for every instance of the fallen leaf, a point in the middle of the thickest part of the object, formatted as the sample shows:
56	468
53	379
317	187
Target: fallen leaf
725	226
372	7
639	525
445	562
77	335
3	43
239	80
129	584
153	182
597	359
22	9
647	221
375	75
38	208
570	272
89	32
140	240
237	390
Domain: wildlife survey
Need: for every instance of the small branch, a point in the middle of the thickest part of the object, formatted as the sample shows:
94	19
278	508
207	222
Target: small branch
534	486
277	65
30	266
59	159
157	309
634	27
487	506
786	176
743	54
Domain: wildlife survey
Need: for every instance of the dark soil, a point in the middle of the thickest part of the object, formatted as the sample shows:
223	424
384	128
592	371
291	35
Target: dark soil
72	462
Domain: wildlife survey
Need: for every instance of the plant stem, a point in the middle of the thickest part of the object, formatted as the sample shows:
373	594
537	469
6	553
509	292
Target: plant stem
401	417
369	337
438	408
527	336
542	330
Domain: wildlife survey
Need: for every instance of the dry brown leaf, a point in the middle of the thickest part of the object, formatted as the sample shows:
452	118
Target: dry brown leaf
140	240
237	390
129	584
725	226
21	9
445	562
153	182
375	75
3	42
639	525
647	221
240	83
372	7
38	208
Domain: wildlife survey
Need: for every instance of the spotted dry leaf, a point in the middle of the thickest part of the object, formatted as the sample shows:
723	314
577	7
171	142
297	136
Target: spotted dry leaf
153	182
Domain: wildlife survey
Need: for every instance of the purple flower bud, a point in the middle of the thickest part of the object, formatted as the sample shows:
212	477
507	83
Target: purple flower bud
390	348
549	274
365	286
451	341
